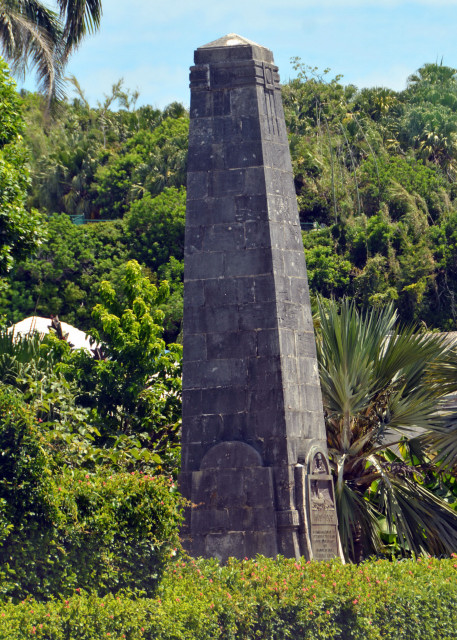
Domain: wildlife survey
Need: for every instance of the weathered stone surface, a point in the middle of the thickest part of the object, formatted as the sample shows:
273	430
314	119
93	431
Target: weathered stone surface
251	397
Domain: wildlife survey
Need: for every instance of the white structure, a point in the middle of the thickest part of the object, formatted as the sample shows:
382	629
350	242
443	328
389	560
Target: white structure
77	338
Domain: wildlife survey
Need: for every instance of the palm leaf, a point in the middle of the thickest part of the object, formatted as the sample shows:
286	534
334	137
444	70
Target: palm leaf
356	514
81	17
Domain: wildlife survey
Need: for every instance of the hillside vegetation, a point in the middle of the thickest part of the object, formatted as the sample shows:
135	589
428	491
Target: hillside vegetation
374	172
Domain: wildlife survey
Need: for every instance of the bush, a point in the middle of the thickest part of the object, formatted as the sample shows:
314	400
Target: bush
261	598
107	533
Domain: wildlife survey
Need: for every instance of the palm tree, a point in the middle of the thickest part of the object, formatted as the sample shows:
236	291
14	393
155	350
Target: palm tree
381	387
33	35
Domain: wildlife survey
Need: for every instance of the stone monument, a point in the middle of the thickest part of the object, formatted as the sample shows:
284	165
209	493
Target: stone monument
254	457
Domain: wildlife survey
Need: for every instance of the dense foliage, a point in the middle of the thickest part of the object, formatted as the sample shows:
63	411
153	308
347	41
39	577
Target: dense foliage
374	173
90	441
19	235
382	385
260	598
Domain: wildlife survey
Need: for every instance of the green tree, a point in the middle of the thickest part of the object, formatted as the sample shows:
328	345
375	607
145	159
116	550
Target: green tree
133	386
19	228
381	386
155	227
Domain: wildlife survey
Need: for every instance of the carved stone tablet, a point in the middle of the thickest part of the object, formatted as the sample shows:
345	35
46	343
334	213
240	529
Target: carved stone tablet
323	521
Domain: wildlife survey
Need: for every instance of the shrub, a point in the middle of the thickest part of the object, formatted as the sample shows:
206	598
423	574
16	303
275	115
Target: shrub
107	533
262	598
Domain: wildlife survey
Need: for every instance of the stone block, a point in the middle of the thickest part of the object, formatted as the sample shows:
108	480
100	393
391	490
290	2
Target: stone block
251	208
299	292
287	342
197	266
257	235
290	315
246	153
221	401
245	103
221	103
211	319
231	455
282	288
245	289
258	490
194	345
197	546
258	316
231	344
262	399
226	182
191	456
229	488
254	181
264	372
191	401
260	542
286	235
225	545
308	372
204	490
197	185
194	293
277	156
214	373
268	342
224	237
275	450
305	344
204	429
213	520
201	105
264	520
194	240
234	426
249	262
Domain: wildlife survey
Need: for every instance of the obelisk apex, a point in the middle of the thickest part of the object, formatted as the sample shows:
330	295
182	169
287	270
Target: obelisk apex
252	409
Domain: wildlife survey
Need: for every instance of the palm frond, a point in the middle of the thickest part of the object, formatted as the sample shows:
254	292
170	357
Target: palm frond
81	17
441	442
424	523
356	515
30	36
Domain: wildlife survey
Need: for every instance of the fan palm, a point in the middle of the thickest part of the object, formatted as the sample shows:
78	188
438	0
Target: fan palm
382	386
31	34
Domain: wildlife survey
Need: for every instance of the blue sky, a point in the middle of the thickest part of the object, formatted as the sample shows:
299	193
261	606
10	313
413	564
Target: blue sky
369	42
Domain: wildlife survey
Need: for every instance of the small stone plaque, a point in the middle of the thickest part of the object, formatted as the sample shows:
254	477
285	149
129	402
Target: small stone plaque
321	507
324	542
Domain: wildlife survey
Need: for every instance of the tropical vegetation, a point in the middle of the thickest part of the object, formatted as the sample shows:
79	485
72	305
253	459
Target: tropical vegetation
33	35
92	205
383	386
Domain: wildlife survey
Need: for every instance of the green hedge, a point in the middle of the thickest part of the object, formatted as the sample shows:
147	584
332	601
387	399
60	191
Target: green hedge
260	598
110	533
61	528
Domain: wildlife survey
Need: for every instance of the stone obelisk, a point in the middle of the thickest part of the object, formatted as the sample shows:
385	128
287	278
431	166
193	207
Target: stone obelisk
254	459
